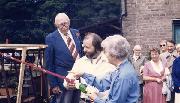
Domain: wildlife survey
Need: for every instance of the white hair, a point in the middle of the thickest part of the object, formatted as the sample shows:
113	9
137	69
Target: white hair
177	46
117	46
163	41
61	17
137	47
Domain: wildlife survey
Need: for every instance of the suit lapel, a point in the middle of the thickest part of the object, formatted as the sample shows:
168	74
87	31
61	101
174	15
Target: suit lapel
60	41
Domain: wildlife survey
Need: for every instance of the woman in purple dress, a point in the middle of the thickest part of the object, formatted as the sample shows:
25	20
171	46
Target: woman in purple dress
153	75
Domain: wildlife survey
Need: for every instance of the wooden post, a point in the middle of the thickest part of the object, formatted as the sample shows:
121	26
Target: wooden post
7	41
24	48
21	76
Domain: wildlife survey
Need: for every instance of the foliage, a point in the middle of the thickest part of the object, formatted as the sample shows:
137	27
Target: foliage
29	21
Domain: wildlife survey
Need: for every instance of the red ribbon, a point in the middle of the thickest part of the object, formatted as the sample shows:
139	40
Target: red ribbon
39	68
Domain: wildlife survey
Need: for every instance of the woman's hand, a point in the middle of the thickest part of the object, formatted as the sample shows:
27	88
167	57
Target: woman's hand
163	78
141	70
92	96
158	80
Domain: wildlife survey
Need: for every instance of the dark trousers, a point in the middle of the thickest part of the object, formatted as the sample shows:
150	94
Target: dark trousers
83	100
172	97
67	96
140	99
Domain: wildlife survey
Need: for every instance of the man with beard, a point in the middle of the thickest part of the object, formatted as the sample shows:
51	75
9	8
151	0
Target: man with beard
94	62
122	83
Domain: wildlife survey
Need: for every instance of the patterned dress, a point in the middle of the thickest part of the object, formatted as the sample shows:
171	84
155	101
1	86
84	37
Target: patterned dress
152	89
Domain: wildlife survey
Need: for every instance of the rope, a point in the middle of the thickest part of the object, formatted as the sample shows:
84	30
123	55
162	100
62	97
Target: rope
38	68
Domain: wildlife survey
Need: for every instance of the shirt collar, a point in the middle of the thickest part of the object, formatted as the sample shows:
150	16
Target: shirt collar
123	62
68	33
136	57
100	57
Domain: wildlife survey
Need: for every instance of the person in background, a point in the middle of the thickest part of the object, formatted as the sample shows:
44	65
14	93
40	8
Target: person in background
123	82
153	76
163	46
94	62
169	56
176	75
138	60
64	48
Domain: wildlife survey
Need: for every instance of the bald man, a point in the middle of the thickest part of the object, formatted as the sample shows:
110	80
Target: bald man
64	48
138	61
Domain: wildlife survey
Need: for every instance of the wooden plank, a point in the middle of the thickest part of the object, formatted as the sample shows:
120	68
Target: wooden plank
21	76
20	46
23	48
3	92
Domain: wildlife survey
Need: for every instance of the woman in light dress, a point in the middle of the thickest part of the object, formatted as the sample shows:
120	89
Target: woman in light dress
153	75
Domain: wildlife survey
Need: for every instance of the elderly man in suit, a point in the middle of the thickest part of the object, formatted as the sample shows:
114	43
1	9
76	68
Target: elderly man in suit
64	48
138	60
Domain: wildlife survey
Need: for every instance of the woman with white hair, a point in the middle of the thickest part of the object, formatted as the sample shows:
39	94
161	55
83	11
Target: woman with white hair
123	82
178	49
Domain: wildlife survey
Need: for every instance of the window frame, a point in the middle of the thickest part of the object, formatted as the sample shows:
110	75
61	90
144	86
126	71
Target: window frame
175	23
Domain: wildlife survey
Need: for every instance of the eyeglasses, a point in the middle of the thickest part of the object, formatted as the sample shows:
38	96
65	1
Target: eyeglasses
64	24
162	45
137	50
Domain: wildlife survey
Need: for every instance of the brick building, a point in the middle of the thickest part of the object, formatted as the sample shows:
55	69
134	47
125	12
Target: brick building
149	21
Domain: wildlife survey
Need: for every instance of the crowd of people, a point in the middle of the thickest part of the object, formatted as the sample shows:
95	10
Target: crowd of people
111	72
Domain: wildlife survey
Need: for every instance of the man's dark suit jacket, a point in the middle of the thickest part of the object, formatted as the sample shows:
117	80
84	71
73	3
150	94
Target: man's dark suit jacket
58	57
176	74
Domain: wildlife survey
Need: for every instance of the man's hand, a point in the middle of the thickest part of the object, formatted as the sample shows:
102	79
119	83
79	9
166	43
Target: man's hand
76	74
56	90
71	86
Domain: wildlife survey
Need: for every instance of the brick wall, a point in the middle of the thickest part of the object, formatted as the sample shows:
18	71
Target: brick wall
149	21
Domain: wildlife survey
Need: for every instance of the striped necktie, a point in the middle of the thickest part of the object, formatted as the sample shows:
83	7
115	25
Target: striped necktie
72	48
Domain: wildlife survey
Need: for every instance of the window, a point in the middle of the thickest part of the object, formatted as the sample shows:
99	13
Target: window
176	30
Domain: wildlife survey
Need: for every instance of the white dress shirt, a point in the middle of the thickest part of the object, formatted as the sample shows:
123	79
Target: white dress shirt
97	67
65	38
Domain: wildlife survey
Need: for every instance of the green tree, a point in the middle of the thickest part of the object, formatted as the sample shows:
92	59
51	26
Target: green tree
29	21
